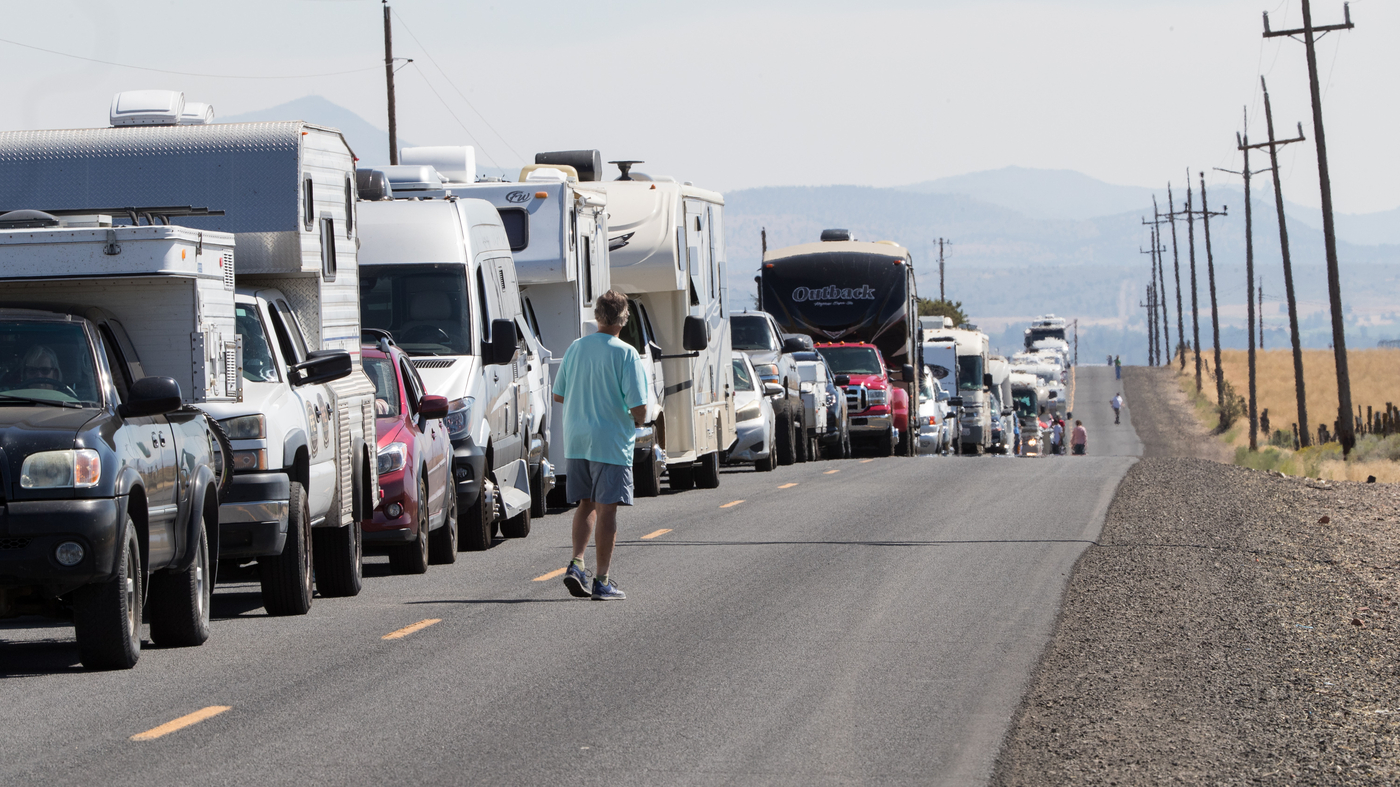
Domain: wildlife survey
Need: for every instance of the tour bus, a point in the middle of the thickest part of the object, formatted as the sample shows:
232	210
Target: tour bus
844	290
666	252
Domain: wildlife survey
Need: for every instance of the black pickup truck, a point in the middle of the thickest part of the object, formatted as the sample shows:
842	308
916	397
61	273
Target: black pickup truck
106	486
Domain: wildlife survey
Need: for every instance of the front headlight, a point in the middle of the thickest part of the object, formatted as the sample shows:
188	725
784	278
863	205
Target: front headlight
391	457
248	461
459	418
749	412
877	396
245	427
79	469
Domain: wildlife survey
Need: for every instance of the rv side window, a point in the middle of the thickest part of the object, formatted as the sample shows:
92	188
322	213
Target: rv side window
481	306
349	205
517	224
328	249
308	209
632	331
588	270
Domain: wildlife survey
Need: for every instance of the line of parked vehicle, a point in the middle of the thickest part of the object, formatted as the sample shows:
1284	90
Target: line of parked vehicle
227	344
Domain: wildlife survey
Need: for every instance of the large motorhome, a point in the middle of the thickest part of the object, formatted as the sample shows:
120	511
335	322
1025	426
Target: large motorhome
303	435
843	290
1046	326
972	350
666	252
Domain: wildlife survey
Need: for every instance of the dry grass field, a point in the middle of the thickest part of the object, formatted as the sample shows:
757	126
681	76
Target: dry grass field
1375	380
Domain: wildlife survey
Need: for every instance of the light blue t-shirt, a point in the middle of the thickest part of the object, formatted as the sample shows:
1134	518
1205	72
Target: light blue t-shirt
601	379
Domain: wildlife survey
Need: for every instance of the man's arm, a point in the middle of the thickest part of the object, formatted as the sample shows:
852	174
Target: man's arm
639	414
558	398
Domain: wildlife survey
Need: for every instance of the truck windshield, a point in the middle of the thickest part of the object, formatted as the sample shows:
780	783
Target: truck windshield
424	307
751	333
1034	335
852	360
386	385
1025	402
743	381
258	363
48	361
969	372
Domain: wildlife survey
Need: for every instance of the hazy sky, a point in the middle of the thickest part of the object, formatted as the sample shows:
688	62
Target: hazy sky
732	94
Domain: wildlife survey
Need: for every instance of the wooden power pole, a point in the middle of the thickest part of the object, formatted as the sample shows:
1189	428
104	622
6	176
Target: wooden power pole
389	80
1214	306
1304	439
1195	309
1176	264
1346	432
1166	344
942	296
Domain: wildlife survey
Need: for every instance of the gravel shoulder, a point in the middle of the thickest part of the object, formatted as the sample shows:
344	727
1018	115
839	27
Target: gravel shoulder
1220	632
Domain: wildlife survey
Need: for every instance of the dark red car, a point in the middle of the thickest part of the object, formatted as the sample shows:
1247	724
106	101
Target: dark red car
878	409
416	519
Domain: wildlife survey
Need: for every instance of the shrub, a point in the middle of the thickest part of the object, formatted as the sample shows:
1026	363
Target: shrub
1231	407
1281	439
1372	447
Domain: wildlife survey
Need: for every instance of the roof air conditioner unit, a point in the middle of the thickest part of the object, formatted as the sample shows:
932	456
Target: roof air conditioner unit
412	177
147	108
455	163
197	113
835	235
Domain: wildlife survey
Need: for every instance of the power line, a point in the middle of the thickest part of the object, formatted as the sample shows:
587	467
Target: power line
434	61
185	73
454	117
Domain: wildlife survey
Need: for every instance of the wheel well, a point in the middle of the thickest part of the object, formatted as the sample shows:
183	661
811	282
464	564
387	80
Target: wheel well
136	508
365	501
211	515
300	471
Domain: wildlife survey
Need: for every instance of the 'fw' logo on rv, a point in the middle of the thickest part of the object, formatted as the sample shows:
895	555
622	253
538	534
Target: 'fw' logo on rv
518	197
832	293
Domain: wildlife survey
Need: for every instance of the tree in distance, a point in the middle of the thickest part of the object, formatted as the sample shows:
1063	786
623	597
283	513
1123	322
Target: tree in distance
941	308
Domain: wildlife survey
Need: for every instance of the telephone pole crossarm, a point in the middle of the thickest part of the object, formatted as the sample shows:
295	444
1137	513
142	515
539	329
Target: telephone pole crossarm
1298	31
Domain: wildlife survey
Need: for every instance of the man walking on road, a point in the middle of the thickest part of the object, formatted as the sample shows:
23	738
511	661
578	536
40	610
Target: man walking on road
1117	402
1080	439
1117	367
603	387
1057	438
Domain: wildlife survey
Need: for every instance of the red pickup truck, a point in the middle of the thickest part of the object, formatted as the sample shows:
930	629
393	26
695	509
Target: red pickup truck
879	410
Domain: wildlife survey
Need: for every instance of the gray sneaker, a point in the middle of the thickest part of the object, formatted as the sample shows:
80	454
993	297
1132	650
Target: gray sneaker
607	592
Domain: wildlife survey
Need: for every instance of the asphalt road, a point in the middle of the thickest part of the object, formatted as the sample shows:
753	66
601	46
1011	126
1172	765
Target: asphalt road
836	622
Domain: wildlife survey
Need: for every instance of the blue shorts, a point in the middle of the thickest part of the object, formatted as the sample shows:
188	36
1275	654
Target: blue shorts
600	482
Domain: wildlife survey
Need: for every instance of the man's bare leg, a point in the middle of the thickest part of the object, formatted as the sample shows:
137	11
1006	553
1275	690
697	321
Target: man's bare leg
607	536
583	527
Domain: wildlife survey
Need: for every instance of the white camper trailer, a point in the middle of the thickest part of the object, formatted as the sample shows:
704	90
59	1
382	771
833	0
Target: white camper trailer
666	251
303	434
972	353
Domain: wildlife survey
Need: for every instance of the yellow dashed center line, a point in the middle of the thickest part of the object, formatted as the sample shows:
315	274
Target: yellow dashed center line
653	534
731	504
788	486
406	630
831	472
863	461
551	575
180	723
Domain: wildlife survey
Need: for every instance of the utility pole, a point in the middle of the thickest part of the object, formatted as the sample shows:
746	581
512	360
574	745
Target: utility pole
1162	358
1157	221
1195	309
1242	144
1176	263
758	280
1076	342
1346	432
389	79
941	295
1151	306
1214	307
1273	145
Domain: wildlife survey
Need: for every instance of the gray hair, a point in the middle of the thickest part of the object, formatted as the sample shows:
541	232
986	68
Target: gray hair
611	308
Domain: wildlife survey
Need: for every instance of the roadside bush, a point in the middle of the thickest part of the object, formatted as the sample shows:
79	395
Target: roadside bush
1373	447
1281	439
1266	459
1231	407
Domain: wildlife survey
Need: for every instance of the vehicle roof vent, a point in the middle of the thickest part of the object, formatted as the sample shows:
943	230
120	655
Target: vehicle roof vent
27	219
834	235
197	113
373	185
625	166
147	108
412	177
587	164
547	173
454	163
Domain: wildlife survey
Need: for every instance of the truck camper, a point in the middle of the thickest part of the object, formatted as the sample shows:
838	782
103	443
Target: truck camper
108	335
1046	326
303	433
666	251
844	290
972	352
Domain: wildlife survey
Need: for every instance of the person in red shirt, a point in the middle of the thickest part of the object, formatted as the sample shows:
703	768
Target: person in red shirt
1080	439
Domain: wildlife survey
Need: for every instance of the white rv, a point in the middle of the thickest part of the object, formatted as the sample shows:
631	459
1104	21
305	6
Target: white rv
666	251
972	351
303	435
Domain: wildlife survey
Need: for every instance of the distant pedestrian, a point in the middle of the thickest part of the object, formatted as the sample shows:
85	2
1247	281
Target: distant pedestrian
1117	402
1109	362
1080	439
1057	438
1264	423
603	387
1117	368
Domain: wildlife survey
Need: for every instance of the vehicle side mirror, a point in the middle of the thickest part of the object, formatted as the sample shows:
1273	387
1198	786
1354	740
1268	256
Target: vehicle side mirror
772	389
955	401
695	336
502	346
432	407
1007	411
986	381
907	372
1053	393
321	366
793	344
843	379
151	396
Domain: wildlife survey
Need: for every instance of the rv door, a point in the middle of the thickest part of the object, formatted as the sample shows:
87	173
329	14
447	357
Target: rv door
697	241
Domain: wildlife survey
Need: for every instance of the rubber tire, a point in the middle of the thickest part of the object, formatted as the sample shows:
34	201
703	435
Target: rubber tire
801	441
179	601
846	452
286	578
767	465
785	437
647	478
338	556
682	477
475	531
886	444
517	526
814	449
707	472
537	501
412	558
442	543
107	615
